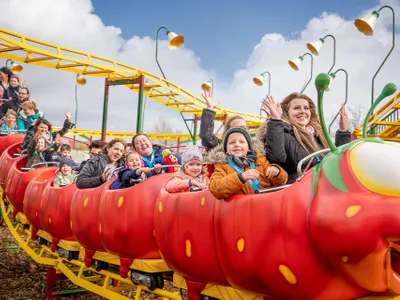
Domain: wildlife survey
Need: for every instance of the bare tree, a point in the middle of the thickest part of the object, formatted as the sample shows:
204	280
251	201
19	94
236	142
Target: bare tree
164	126
356	116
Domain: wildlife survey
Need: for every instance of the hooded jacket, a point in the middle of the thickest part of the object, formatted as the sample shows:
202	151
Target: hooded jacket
24	122
226	182
90	175
281	146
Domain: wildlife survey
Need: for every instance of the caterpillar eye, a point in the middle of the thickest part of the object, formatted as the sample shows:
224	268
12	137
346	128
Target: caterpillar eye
377	166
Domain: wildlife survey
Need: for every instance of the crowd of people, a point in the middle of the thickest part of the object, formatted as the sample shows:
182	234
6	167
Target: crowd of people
242	164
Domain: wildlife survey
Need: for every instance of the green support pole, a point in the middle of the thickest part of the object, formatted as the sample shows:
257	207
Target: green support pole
139	118
311	75
195	129
105	111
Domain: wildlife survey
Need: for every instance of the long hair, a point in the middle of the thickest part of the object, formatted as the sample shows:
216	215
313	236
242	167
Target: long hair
306	140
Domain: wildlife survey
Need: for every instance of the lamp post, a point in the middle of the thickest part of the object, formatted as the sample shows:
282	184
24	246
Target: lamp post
15	68
175	41
259	80
366	25
208	85
80	80
295	64
316	46
332	77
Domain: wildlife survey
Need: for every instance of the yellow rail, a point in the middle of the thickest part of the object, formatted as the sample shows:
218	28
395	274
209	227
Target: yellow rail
387	130
29	50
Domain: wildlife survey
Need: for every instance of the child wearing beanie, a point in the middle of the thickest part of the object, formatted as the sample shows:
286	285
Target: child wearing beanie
66	176
191	174
241	167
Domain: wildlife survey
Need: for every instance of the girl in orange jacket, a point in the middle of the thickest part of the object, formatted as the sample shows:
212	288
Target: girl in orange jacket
242	168
191	174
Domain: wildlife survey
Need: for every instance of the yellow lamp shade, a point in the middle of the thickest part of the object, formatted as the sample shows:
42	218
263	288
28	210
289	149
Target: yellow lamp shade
16	68
259	80
80	80
315	47
367	24
295	63
206	86
175	41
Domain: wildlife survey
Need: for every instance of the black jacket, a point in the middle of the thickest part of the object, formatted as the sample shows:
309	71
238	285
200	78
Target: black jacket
282	147
13	104
90	175
30	133
208	139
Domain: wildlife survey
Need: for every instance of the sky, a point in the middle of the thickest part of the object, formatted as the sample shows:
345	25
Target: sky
229	41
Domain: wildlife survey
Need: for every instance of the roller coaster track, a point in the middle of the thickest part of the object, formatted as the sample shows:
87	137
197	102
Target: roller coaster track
385	122
25	49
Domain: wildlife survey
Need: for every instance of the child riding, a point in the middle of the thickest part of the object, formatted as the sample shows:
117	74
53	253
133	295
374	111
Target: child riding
242	168
191	174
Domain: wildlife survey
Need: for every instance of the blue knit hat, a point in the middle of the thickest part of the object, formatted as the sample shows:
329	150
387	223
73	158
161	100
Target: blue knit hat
238	130
66	161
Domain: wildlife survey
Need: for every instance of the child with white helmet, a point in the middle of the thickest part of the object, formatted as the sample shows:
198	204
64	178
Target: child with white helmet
191	174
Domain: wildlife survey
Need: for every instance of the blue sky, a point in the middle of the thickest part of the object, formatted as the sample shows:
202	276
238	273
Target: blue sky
222	33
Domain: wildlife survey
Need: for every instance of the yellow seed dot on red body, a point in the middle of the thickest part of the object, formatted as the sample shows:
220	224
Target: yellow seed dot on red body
160	207
240	244
203	201
85	203
345	259
49	220
120	201
288	274
188	248
352	210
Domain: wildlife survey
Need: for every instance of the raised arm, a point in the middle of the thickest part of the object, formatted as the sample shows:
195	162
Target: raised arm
208	139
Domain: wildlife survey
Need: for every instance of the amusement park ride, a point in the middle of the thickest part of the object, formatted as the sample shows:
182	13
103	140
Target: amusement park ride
331	235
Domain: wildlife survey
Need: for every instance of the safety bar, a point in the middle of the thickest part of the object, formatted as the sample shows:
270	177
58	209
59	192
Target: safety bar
12	132
274	189
168	166
46	164
307	158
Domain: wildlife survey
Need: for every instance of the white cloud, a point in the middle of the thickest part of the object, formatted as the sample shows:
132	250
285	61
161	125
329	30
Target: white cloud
74	24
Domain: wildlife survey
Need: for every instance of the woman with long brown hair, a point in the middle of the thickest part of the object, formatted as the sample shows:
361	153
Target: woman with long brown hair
294	131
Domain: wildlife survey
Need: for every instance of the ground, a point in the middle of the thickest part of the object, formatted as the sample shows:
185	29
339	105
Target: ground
22	278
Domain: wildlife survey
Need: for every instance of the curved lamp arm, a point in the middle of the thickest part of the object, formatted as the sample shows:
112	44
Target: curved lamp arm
311	74
390	51
345	97
334	50
162	72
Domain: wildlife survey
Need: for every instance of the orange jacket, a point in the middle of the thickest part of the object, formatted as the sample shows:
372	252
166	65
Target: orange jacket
225	180
180	182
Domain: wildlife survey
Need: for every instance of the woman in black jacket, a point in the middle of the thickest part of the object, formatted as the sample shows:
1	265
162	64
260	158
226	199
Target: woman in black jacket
294	131
100	167
208	139
44	127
